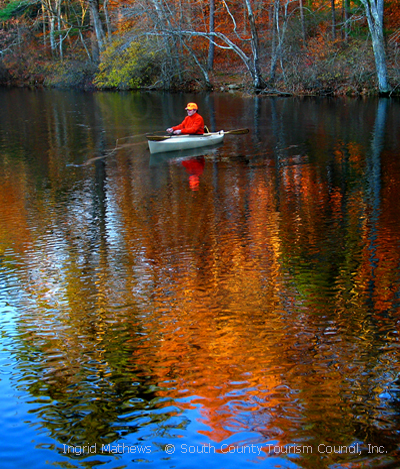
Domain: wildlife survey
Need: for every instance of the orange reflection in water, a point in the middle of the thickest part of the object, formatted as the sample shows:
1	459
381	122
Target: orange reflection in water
13	214
241	300
217	308
195	168
220	309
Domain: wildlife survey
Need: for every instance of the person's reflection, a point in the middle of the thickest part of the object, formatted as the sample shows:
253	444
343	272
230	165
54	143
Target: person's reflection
195	168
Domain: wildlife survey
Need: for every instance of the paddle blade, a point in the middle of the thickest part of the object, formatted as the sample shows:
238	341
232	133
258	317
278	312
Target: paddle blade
237	132
157	138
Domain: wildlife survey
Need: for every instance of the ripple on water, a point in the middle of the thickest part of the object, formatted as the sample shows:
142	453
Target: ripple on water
260	310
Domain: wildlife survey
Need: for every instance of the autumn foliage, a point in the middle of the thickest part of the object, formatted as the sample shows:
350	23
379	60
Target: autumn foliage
286	46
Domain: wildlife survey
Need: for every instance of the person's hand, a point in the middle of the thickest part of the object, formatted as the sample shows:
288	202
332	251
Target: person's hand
177	132
170	130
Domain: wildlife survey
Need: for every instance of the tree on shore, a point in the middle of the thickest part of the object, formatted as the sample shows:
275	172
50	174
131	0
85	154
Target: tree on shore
374	11
211	48
98	38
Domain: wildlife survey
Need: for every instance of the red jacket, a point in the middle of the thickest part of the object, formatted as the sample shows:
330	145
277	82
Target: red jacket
191	125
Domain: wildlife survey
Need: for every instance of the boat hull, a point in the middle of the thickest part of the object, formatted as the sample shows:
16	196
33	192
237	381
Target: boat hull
185	142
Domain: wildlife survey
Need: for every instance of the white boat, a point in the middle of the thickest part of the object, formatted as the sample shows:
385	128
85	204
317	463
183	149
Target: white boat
183	142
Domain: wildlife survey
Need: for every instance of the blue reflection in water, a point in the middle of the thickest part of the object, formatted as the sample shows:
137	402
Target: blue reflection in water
252	320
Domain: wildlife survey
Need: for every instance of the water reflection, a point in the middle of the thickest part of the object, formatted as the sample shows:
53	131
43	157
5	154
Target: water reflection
193	160
260	309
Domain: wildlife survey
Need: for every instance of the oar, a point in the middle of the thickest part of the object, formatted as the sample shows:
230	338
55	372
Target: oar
237	132
158	138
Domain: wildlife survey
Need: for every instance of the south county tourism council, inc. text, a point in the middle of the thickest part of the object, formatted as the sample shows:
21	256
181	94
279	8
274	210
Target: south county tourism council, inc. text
223	449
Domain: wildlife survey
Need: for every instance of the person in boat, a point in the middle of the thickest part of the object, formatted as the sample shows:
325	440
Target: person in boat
193	124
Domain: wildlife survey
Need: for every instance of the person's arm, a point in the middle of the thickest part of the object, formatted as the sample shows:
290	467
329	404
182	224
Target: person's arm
177	127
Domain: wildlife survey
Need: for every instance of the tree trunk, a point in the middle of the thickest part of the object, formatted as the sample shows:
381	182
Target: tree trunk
49	10
346	10
255	48
107	17
52	32
303	23
59	22
374	12
211	47
162	23
333	20
275	40
44	25
202	69
98	36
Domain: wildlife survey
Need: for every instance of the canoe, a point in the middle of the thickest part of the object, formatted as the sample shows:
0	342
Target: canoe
183	142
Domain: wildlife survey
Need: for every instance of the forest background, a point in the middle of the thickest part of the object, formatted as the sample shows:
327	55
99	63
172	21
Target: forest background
324	47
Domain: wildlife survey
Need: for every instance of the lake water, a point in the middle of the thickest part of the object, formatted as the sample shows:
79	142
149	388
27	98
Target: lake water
238	307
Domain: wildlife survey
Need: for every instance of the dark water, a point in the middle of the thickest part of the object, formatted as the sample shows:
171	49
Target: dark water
241	304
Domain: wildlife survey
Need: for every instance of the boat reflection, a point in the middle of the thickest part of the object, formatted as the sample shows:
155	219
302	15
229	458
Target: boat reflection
193	160
166	157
